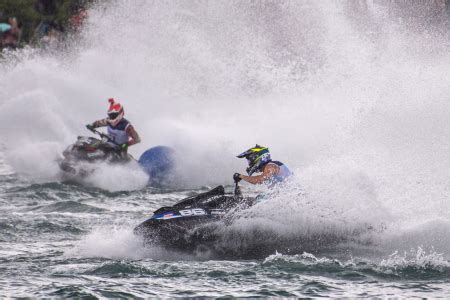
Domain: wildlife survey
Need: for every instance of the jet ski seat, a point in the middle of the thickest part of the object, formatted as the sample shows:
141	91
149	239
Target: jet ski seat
206	197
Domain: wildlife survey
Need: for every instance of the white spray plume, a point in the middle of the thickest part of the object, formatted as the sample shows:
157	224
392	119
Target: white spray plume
362	90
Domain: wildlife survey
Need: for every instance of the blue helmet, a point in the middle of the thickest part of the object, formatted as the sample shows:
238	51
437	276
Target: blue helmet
257	157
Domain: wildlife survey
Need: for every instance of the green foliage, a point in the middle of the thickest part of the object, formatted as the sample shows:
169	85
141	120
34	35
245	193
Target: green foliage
26	14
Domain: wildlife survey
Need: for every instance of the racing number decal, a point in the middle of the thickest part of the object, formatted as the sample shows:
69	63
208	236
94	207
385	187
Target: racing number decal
192	212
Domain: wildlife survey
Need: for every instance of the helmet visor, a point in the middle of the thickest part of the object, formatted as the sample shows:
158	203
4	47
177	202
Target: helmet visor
113	115
251	158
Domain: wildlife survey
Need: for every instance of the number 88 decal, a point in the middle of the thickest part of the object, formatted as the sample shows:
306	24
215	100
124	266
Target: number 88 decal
192	212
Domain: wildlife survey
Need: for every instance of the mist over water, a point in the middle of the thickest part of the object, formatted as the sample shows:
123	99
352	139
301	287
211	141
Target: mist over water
353	98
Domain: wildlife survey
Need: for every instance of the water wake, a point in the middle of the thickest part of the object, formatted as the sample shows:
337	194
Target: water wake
414	264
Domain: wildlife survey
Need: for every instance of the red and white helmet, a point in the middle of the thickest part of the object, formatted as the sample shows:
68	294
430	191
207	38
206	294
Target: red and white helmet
115	112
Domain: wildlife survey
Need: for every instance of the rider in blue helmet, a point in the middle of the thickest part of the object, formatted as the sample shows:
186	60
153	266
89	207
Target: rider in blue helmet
259	161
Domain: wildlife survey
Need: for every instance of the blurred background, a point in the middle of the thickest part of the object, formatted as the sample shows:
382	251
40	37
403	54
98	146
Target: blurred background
46	22
39	22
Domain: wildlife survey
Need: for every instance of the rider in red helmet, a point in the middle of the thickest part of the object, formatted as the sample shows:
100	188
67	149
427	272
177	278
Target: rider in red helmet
120	129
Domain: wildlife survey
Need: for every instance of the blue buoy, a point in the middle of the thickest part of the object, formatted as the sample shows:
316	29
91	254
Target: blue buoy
158	163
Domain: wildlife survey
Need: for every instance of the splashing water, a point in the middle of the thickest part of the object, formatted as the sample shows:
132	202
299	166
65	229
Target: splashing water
356	104
353	98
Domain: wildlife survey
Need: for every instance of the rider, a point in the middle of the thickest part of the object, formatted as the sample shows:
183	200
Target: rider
258	158
120	130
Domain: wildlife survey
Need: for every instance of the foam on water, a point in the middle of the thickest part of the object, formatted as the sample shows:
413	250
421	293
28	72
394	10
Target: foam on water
418	258
115	178
415	263
109	242
120	243
5	169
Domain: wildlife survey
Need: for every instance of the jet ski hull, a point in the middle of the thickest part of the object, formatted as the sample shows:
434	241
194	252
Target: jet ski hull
191	223
185	233
81	158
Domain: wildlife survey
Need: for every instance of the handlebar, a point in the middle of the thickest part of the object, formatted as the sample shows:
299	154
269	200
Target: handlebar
102	135
237	189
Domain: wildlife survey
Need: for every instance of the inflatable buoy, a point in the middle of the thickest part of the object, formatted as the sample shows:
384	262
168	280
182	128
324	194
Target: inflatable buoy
158	163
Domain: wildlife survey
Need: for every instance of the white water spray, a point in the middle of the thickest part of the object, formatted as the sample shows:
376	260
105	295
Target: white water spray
355	99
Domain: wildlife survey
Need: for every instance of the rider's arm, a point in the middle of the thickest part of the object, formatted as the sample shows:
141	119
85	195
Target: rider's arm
134	136
269	171
100	123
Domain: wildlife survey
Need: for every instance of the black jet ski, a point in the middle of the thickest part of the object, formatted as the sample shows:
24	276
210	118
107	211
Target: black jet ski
192	222
79	158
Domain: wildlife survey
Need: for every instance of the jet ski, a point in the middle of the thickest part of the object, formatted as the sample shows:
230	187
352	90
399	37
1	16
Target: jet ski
192	222
79	159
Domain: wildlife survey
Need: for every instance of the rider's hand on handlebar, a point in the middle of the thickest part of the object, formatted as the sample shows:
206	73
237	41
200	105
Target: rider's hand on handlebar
237	177
90	127
124	147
